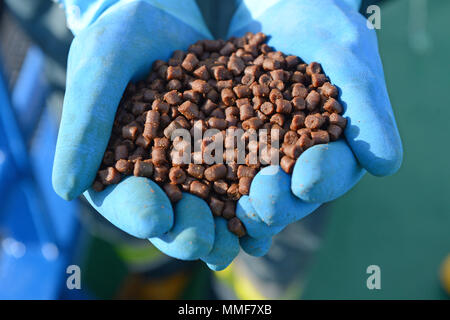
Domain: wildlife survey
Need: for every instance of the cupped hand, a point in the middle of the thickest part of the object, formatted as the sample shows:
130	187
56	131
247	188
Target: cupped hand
334	34
120	46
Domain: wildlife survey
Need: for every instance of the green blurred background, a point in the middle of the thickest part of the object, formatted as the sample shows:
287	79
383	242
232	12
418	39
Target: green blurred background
400	223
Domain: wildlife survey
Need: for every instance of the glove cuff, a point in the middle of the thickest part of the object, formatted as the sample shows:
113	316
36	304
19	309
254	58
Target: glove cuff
82	13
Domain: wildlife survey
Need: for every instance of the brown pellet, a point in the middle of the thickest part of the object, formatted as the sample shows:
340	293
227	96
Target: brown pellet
195	170
252	123
162	142
334	132
312	100
292	150
220	187
298	103
244	185
287	164
299	90
290	137
228	96
235	225
338	120
172	97
242	91
189	110
217	123
318	79
109	176
329	90
216	206
313	67
108	158
174	72
173	192
199	189
143	168
314	121
245	171
202	73
121	152
305	142
246	112
221	73
177	175
298	122
124	166
130	132
190	62
159	157
236	65
160	174
200	86
261	90
332	106
283	106
229	210
215	172
320	136
98	186
151	124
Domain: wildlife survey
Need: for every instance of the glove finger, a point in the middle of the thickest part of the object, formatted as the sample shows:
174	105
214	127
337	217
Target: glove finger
277	206
351	61
225	249
255	247
192	235
136	205
256	228
102	60
325	172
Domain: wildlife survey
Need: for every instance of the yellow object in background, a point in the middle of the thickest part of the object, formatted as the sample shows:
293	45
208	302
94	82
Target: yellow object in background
445	274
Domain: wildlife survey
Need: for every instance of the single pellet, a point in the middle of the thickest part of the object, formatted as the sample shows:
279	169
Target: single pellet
244	185
320	136
235	225
287	164
215	172
159	156
121	152
199	189
177	175
314	121
338	120
143	168
216	206
332	105
229	210
124	166
109	176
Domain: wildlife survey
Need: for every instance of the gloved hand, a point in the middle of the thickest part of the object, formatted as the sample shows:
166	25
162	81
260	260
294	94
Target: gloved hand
334	34
115	42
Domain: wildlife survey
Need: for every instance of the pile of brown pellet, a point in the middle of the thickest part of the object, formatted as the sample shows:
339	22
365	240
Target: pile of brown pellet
241	83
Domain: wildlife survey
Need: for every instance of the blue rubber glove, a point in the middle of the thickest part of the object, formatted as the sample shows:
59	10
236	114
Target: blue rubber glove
115	42
334	34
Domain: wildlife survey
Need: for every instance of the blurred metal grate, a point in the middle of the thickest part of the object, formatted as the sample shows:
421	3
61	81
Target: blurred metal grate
14	44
